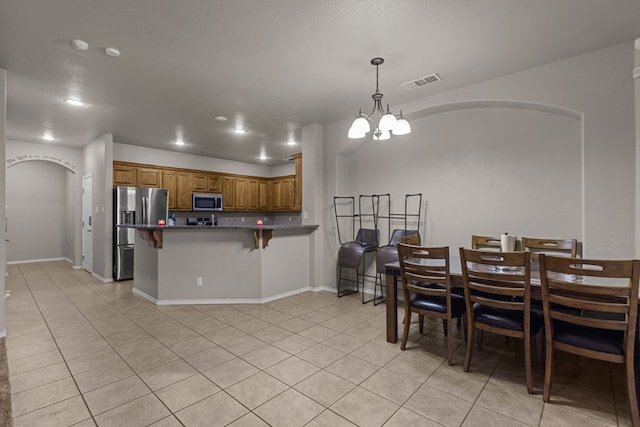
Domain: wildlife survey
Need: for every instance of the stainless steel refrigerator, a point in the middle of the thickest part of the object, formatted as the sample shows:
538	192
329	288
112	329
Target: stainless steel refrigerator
134	205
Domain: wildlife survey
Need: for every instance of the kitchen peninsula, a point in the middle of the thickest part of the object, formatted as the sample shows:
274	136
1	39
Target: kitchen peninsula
221	264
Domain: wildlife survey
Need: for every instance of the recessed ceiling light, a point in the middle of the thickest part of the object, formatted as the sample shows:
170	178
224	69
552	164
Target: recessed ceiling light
75	102
112	52
291	143
239	130
179	142
80	44
48	137
263	157
220	118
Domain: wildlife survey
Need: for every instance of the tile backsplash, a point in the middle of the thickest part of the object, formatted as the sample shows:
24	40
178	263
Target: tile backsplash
243	218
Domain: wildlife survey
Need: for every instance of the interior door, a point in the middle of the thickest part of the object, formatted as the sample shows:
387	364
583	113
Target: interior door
87	223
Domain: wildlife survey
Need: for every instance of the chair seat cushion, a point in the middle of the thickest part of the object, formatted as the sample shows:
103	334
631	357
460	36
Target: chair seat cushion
438	304
350	254
506	319
589	338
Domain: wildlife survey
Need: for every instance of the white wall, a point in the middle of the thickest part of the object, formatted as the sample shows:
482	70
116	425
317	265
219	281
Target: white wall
37	211
578	112
637	93
39	158
98	159
3	183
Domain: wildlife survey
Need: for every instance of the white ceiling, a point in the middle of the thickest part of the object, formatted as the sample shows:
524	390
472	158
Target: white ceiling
269	65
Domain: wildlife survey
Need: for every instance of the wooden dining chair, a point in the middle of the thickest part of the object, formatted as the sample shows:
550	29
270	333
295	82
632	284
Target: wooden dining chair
426	286
566	247
485	242
605	292
389	253
498	299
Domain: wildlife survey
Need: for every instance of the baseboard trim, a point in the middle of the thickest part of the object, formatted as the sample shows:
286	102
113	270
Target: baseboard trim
145	296
37	260
223	301
102	279
326	288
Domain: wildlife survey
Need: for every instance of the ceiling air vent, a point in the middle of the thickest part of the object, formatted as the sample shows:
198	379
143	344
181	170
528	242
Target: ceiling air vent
422	81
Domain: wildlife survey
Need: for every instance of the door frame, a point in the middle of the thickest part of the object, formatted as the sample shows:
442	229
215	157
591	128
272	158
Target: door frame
88	264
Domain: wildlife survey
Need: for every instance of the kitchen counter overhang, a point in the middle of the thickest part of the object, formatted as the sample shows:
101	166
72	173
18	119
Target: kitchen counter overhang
153	234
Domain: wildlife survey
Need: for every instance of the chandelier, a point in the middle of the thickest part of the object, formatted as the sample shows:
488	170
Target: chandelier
388	124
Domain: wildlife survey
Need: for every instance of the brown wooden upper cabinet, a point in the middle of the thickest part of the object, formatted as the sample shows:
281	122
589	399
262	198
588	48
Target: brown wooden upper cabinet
281	193
198	182
239	193
148	177
257	194
228	192
206	182
240	202
124	175
179	190
297	188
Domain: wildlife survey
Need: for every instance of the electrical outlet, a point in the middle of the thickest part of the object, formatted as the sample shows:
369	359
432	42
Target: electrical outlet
289	219
242	219
198	281
304	215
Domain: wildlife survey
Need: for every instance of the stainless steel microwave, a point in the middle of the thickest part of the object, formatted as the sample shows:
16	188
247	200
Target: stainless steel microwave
207	202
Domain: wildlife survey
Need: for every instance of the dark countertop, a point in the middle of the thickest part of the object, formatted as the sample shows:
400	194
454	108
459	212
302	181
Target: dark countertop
222	227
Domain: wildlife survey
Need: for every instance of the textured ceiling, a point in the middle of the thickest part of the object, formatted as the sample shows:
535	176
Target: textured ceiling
270	66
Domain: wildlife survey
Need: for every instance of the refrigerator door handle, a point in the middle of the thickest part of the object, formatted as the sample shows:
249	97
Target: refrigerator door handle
145	212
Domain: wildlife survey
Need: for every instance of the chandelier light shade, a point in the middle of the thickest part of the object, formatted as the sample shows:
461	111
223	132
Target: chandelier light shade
388	124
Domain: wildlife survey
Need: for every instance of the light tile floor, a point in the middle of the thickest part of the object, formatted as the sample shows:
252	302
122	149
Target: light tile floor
82	353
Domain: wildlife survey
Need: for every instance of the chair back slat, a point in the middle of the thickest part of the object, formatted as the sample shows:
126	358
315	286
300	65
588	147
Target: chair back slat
496	303
567	247
419	265
485	242
505	275
591	322
431	291
589	303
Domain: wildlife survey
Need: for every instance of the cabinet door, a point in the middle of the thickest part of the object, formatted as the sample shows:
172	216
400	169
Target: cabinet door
170	183
147	177
214	183
252	194
228	192
275	190
263	194
297	186
286	194
183	191
241	194
124	175
198	182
